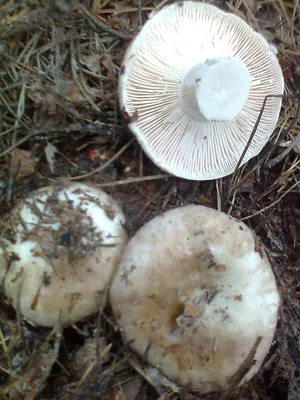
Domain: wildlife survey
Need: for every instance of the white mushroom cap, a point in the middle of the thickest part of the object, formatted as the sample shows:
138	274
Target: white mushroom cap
194	80
61	250
193	295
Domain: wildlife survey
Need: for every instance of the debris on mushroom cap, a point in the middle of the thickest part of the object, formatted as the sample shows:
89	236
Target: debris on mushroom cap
196	78
59	250
195	296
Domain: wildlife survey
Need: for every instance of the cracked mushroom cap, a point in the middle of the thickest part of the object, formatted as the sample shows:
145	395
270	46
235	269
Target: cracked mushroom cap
195	296
59	250
192	84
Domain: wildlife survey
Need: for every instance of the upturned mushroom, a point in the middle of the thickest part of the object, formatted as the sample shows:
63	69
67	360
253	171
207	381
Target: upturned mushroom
195	296
192	85
59	250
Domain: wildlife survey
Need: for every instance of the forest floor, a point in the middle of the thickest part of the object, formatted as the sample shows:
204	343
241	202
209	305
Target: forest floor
59	119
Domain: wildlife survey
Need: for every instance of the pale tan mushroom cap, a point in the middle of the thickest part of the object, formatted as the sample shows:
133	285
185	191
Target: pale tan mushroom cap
60	253
193	293
169	45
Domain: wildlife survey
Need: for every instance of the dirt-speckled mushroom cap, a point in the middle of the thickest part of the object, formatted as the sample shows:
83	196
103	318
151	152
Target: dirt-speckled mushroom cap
192	83
59	250
195	295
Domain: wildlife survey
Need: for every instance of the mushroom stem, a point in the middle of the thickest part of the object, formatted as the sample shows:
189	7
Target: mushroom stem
215	90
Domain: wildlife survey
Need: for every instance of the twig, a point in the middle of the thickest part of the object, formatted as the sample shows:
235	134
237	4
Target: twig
18	120
140	12
255	129
98	326
290	147
9	149
160	5
102	26
265	156
134	180
22	66
117	11
20	112
250	13
219	193
80	82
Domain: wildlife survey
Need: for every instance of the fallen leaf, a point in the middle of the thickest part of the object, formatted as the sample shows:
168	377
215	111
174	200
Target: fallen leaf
50	151
130	390
73	94
71	91
114	21
107	61
92	62
23	163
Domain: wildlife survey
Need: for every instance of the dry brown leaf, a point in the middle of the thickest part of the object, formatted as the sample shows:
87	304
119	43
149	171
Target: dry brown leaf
114	21
50	151
23	163
126	391
92	62
107	61
71	91
73	94
132	388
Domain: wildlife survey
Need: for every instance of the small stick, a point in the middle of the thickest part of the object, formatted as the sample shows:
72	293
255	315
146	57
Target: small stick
232	189
102	26
134	180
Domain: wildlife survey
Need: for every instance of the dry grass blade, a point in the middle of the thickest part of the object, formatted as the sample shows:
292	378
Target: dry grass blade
253	133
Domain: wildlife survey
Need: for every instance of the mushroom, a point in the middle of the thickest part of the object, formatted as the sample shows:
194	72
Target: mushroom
59	250
195	296
192	85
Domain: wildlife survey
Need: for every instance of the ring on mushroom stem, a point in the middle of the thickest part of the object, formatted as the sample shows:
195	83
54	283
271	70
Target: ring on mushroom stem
58	252
197	285
196	78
